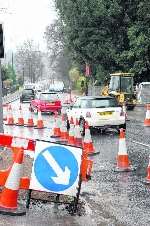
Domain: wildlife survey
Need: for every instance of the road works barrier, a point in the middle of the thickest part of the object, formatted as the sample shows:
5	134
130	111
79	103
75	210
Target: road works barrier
11	97
57	168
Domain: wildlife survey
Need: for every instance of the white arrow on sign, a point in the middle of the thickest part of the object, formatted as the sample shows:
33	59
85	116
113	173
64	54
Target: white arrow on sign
63	177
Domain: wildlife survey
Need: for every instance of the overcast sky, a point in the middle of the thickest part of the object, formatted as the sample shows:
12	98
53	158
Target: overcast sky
26	19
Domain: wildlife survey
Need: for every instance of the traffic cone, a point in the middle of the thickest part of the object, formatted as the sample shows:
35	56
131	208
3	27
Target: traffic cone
123	163
56	129
71	138
20	118
88	146
78	137
147	179
40	123
10	119
30	122
9	195
86	169
147	118
5	111
63	130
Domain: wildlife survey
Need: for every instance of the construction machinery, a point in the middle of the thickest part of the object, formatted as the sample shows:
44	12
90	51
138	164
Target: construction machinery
121	86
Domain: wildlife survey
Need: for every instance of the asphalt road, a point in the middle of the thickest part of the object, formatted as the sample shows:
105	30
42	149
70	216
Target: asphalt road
110	198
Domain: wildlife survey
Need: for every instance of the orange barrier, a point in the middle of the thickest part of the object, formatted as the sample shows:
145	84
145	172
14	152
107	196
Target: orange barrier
147	118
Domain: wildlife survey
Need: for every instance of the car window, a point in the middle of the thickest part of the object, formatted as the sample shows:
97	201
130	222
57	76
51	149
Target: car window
77	104
48	97
28	91
99	103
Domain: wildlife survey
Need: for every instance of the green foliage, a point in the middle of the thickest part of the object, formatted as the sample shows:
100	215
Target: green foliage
112	35
8	73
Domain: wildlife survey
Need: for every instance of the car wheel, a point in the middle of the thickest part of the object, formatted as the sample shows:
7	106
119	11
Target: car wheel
82	126
123	126
35	110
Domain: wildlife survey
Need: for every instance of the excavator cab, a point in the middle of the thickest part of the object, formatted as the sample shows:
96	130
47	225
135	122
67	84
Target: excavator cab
121	86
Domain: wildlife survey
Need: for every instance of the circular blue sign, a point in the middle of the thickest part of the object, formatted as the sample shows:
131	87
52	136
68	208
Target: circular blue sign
45	170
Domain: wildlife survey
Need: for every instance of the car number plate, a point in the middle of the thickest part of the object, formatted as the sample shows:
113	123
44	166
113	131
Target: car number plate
105	113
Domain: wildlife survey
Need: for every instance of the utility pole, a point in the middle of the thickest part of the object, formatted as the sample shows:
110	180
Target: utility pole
1	92
1	102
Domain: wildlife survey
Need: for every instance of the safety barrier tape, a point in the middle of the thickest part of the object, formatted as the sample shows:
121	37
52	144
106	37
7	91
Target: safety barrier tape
10	141
11	97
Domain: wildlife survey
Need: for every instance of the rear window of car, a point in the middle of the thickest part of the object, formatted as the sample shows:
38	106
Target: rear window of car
48	97
98	103
28	91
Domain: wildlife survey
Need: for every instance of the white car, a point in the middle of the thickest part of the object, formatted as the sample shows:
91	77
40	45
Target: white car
100	112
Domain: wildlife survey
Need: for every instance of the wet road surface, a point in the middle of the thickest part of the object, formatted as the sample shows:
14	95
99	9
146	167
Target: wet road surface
112	199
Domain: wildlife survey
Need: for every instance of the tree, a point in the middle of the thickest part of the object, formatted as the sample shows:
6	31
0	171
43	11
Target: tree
59	61
29	61
111	35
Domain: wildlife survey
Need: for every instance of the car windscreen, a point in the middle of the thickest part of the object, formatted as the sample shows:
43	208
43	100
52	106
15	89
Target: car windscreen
48	97
28	91
98	103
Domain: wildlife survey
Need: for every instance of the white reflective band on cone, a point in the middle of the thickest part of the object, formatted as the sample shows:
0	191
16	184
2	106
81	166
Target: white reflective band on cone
13	179
122	147
148	114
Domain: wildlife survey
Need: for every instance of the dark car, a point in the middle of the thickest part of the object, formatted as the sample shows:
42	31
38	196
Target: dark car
27	95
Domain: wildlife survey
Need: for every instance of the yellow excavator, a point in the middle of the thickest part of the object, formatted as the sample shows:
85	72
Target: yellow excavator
121	86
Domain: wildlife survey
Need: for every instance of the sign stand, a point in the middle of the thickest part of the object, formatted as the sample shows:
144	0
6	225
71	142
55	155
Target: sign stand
73	205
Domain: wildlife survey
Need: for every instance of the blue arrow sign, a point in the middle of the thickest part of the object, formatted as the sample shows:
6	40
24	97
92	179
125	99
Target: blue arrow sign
56	168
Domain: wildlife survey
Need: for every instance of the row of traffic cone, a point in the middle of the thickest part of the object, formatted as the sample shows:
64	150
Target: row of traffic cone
20	121
73	136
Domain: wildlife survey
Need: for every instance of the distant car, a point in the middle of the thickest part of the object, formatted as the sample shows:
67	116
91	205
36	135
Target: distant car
99	111
46	102
27	95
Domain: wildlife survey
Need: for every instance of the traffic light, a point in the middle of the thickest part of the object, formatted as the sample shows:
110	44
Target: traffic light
1	42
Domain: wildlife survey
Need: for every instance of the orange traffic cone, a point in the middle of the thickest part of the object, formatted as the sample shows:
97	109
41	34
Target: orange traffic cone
10	119
40	123
147	118
56	129
9	195
71	139
63	130
20	118
123	163
88	146
147	179
30	122
86	169
78	137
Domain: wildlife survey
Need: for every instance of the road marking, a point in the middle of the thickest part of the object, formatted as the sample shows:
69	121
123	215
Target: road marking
62	177
136	142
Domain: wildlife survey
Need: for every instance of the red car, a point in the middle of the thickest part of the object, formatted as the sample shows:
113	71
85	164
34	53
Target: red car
46	102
